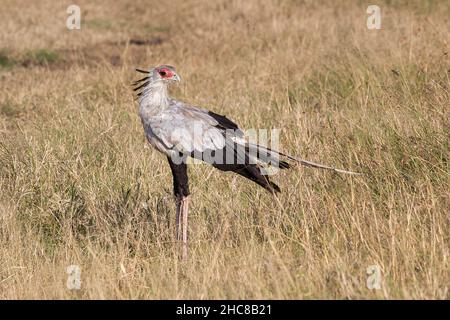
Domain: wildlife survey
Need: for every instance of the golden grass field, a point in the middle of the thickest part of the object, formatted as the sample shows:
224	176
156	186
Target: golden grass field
80	186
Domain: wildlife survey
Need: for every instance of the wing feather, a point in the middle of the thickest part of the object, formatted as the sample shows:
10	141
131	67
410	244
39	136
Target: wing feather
186	129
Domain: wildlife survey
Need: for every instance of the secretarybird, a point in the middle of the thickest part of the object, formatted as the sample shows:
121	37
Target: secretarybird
180	130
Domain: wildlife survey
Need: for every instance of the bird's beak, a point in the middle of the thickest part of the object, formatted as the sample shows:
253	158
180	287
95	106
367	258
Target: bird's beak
176	78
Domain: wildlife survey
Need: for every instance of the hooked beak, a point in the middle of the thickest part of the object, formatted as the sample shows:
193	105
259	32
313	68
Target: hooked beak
176	78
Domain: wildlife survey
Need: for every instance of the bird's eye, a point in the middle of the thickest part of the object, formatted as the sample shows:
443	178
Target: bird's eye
163	73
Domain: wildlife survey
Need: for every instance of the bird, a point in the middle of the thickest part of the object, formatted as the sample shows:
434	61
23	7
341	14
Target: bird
181	131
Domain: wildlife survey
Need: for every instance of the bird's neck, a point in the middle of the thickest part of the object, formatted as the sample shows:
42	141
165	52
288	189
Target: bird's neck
154	99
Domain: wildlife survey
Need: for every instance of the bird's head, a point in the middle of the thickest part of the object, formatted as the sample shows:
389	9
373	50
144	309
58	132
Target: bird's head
156	76
163	74
166	74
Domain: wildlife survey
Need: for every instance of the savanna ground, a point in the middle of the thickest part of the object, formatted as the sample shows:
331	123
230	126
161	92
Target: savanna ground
80	186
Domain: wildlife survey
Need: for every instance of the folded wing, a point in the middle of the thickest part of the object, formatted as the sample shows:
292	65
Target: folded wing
189	131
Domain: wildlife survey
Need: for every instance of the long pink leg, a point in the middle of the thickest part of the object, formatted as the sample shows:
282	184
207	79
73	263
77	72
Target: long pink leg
184	212
178	218
182	204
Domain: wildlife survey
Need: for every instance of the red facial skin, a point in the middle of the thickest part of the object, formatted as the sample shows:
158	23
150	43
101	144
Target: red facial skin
165	73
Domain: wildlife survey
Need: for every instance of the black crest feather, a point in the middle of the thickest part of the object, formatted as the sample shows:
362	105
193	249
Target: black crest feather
142	71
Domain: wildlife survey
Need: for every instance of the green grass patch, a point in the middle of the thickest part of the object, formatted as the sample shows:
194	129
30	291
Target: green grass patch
41	57
99	24
5	60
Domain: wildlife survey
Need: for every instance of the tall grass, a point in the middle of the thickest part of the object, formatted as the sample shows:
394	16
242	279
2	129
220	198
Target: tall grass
80	186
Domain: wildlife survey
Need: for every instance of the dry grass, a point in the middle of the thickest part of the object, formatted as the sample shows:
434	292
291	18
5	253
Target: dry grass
80	186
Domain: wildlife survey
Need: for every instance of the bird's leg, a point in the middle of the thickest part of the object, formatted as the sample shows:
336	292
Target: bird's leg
182	203
178	201
181	191
184	211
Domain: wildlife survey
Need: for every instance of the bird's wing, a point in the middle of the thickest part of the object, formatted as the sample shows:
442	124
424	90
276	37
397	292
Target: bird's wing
194	131
214	119
187	129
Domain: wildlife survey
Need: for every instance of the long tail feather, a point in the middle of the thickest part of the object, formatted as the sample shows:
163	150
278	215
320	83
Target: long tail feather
321	166
303	162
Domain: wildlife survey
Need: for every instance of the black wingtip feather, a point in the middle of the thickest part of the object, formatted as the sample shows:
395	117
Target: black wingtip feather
253	173
275	187
223	121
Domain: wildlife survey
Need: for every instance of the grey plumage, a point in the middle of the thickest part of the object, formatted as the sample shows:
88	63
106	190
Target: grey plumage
180	130
176	128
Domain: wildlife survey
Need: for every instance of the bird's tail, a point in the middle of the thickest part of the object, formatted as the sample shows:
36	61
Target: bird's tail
272	157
